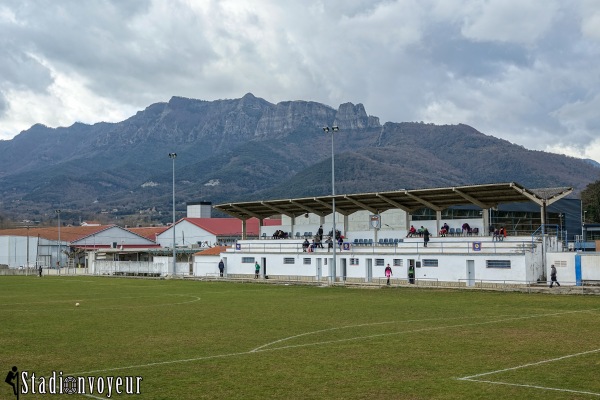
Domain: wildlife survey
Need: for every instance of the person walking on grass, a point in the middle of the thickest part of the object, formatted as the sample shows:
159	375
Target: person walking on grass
388	273
553	276
256	270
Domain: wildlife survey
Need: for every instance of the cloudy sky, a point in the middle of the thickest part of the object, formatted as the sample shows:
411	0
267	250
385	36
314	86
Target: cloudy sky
527	71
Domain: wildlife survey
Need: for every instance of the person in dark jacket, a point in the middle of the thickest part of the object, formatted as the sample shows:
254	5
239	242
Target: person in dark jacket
553	276
221	267
425	237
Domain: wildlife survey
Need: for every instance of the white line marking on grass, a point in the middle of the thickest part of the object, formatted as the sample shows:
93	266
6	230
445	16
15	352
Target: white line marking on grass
371	324
532	364
261	349
472	377
532	386
411	331
320	331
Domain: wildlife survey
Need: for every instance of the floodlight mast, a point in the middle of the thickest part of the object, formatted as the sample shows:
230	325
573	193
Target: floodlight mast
333	129
59	243
173	156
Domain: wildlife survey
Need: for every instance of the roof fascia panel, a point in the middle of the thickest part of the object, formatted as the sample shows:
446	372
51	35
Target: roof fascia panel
423	201
471	198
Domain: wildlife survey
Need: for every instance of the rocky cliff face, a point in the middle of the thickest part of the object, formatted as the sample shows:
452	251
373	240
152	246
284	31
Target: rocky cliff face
249	146
352	116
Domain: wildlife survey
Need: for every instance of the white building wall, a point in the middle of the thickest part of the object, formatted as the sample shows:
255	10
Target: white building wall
451	267
590	267
13	250
186	234
112	235
206	265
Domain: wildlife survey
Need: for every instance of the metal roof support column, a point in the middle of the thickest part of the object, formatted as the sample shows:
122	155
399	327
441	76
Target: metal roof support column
407	221
485	216
293	224
345	229
438	217
244	229
543	219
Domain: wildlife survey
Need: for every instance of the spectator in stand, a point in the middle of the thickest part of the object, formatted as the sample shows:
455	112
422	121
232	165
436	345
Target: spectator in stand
421	231
329	243
305	245
425	237
466	228
446	227
502	233
496	235
411	232
318	241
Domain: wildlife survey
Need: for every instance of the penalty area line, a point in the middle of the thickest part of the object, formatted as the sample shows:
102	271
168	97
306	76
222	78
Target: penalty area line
530	364
263	349
530	386
473	378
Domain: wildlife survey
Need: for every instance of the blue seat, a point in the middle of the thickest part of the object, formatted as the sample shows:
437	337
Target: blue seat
458	231
361	242
356	242
451	232
298	235
395	242
381	242
370	242
386	242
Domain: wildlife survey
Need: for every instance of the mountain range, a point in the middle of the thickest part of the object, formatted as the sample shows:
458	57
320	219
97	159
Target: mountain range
248	149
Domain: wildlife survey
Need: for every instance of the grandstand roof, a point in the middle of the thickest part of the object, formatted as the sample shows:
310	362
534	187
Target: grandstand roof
484	196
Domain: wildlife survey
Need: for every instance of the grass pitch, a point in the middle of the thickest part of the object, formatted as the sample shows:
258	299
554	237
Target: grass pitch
220	340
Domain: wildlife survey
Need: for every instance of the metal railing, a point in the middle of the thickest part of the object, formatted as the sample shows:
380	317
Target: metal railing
434	247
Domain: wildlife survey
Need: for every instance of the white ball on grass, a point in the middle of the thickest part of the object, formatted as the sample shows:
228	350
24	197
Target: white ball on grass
76	304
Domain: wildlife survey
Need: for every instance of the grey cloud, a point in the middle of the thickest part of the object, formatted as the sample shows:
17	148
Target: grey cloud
405	61
20	70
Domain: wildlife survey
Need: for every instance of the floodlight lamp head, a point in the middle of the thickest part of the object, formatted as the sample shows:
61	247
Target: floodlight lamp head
172	155
325	129
335	128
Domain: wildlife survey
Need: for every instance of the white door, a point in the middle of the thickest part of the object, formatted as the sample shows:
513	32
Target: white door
319	266
470	273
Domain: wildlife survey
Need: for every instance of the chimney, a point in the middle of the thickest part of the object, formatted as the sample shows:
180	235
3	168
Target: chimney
199	209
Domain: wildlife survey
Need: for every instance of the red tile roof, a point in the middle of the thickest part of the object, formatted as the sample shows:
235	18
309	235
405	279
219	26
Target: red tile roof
231	226
213	251
67	233
149	232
